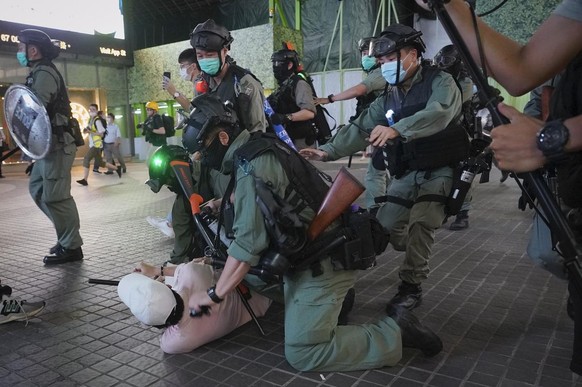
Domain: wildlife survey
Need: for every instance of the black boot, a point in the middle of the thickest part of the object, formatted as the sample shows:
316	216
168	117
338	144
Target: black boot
63	255
347	306
55	248
461	222
414	334
409	296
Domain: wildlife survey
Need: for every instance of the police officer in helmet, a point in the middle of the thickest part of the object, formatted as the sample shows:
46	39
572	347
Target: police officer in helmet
293	100
229	81
416	120
50	179
313	341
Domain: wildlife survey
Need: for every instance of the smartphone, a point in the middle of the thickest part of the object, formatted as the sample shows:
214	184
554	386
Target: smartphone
167	74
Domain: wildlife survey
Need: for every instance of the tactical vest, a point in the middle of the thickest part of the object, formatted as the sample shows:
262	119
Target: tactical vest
60	103
151	137
283	102
444	148
229	89
566	102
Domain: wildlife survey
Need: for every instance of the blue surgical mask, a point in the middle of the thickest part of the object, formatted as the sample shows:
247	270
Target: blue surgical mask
389	71
210	66
368	62
22	59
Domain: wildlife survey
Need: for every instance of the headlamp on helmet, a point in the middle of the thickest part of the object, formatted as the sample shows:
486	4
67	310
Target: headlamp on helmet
160	169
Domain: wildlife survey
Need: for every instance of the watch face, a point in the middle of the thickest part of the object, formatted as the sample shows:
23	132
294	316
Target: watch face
552	138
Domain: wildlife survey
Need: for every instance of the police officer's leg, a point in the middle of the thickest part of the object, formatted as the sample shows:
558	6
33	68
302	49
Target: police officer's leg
394	216
313	341
36	186
375	182
183	225
56	196
425	218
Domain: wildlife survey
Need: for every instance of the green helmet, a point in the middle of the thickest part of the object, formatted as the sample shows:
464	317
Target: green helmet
160	169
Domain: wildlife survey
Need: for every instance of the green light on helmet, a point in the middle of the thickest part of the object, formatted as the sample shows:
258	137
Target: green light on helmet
157	162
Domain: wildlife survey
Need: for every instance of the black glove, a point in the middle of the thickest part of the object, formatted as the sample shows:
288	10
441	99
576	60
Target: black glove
280	119
28	169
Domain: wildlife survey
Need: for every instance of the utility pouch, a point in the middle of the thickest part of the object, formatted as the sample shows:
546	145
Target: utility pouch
75	130
366	238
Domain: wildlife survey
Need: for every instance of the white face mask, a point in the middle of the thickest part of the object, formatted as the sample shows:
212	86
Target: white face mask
184	73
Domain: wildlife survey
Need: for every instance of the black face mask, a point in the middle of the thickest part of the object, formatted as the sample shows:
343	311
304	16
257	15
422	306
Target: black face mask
213	155
281	73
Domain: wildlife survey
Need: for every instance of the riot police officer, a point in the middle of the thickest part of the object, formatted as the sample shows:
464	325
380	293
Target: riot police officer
229	81
50	179
293	100
417	119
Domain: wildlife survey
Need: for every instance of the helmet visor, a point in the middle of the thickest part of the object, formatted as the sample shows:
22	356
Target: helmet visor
383	46
444	61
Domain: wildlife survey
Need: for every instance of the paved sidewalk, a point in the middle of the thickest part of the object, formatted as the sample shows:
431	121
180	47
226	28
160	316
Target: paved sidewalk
502	320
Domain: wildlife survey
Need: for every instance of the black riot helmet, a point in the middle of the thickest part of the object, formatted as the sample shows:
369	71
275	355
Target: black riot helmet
210	36
160	170
449	60
286	55
209	112
365	44
47	46
396	37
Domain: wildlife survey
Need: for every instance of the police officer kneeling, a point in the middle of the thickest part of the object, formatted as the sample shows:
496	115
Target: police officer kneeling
313	340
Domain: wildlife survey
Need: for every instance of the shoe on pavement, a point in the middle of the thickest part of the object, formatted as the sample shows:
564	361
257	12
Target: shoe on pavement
64	255
55	248
15	309
409	296
119	172
461	221
108	173
161	224
124	170
96	171
414	334
83	182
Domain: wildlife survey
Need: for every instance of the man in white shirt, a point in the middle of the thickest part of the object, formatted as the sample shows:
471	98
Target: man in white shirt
112	142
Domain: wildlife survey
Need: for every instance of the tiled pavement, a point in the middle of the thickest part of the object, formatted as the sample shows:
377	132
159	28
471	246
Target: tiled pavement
503	321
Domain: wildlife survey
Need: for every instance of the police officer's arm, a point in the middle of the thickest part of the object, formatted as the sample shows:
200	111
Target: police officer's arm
158	125
442	107
255	114
351	138
374	82
251	237
520	68
305	102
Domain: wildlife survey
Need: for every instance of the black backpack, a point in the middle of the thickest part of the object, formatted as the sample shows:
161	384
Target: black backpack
169	125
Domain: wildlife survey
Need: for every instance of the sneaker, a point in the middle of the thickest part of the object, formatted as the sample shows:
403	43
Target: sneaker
162	224
96	171
409	296
109	173
15	309
82	182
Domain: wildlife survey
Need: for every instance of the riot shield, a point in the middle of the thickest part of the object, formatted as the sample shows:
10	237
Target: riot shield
28	121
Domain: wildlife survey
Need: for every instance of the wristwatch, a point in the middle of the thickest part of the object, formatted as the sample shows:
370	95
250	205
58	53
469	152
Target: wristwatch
552	138
176	95
213	296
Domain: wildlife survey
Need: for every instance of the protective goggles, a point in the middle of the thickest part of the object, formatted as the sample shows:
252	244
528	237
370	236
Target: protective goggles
444	61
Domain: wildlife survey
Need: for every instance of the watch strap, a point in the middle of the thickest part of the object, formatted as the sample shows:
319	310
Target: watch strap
213	296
